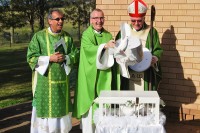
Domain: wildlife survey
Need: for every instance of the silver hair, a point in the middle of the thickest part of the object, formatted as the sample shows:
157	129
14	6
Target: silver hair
95	10
49	16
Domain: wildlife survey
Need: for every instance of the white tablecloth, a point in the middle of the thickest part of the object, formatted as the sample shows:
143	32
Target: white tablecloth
129	124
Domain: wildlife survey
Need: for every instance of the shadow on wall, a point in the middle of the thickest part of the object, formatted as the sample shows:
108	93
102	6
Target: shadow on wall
176	89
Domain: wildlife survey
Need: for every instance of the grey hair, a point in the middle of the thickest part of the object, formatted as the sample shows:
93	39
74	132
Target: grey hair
49	16
95	10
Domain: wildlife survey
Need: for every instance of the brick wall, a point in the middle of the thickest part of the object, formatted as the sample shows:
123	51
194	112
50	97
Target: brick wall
178	24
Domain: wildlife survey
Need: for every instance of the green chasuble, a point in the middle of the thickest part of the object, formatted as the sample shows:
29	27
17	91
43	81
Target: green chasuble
156	51
52	94
90	79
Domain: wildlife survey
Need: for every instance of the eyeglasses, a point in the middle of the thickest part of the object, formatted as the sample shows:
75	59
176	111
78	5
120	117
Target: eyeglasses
139	21
58	19
97	18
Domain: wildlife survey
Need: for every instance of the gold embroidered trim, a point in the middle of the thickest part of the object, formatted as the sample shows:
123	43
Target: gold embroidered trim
50	88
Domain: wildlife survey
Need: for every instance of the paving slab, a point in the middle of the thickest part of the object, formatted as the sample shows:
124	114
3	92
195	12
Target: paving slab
16	119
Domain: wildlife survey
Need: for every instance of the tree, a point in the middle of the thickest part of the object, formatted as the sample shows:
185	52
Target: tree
28	9
78	12
43	6
16	13
10	18
36	9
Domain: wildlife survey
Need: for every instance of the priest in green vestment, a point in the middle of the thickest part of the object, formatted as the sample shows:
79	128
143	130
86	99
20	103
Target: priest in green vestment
152	76
51	55
92	80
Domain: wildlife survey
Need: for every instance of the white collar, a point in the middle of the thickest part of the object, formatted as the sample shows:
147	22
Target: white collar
49	29
98	32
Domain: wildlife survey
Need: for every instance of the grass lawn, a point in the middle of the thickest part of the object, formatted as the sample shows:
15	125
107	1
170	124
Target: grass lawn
15	75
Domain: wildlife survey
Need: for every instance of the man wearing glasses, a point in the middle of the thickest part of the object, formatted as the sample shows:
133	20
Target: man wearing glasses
94	77
51	54
150	78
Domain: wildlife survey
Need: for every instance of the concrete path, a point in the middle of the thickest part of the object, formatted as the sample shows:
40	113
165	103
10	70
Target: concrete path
16	119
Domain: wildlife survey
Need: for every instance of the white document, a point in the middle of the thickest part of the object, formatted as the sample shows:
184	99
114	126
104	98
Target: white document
59	43
58	48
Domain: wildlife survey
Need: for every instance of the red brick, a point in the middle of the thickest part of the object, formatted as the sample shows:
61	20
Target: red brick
194	112
189	117
197	117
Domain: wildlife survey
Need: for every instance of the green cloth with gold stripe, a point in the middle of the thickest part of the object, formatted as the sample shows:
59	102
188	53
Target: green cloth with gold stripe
52	94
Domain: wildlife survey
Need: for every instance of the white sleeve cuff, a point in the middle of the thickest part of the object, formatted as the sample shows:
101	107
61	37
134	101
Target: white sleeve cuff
104	60
42	64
